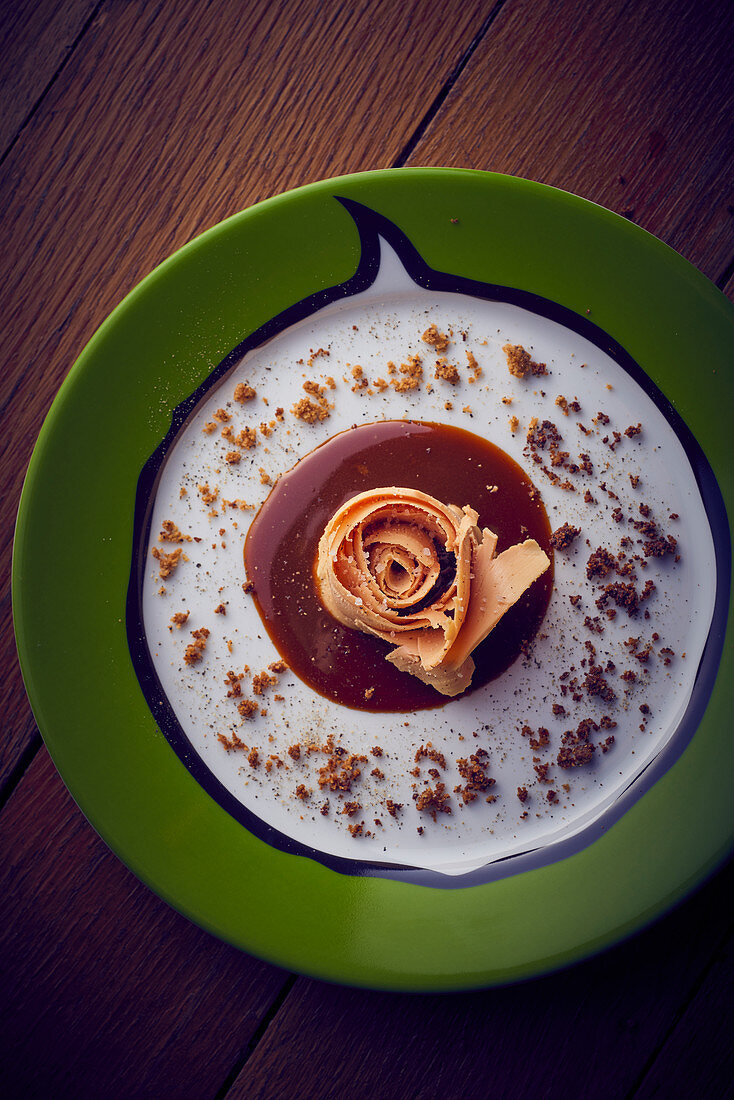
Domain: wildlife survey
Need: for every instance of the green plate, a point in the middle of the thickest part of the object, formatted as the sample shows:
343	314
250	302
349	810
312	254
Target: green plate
72	565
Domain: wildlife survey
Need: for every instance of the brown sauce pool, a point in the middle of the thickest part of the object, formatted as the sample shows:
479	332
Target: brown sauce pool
451	464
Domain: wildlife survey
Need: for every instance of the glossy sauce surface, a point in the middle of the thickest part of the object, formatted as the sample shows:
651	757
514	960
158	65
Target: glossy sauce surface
451	464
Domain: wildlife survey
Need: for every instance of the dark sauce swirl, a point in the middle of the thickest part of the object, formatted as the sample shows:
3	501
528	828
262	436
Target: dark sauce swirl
450	464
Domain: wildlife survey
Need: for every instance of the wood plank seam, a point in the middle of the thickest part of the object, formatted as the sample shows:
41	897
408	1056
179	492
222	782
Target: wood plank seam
69	54
445	89
714	960
26	758
485	1014
594	137
257	1037
726	275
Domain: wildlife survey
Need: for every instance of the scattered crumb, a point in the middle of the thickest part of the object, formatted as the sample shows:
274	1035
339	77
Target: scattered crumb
167	563
195	650
411	375
171	533
311	412
563	536
433	801
520	363
475	371
436	339
447	372
320	352
244	393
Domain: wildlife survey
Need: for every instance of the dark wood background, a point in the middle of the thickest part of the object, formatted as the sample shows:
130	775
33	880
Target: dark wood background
129	126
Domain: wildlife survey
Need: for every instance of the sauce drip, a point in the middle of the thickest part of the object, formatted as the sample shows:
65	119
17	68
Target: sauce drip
450	464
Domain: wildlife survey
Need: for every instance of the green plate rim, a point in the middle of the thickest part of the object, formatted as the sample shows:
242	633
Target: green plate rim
166	335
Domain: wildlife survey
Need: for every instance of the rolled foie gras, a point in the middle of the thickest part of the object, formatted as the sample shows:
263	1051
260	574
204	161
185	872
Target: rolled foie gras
420	574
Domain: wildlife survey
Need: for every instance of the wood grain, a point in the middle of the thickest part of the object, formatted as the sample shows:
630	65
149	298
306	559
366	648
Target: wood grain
629	103
35	40
171	117
585	1032
106	991
697	1054
167	118
19	729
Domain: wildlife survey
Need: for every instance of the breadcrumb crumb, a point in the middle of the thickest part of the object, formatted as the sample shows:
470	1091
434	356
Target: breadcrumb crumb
244	393
520	363
436	339
447	372
167	563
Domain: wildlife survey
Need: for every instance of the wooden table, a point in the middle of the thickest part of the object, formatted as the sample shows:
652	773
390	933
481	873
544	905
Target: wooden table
127	128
